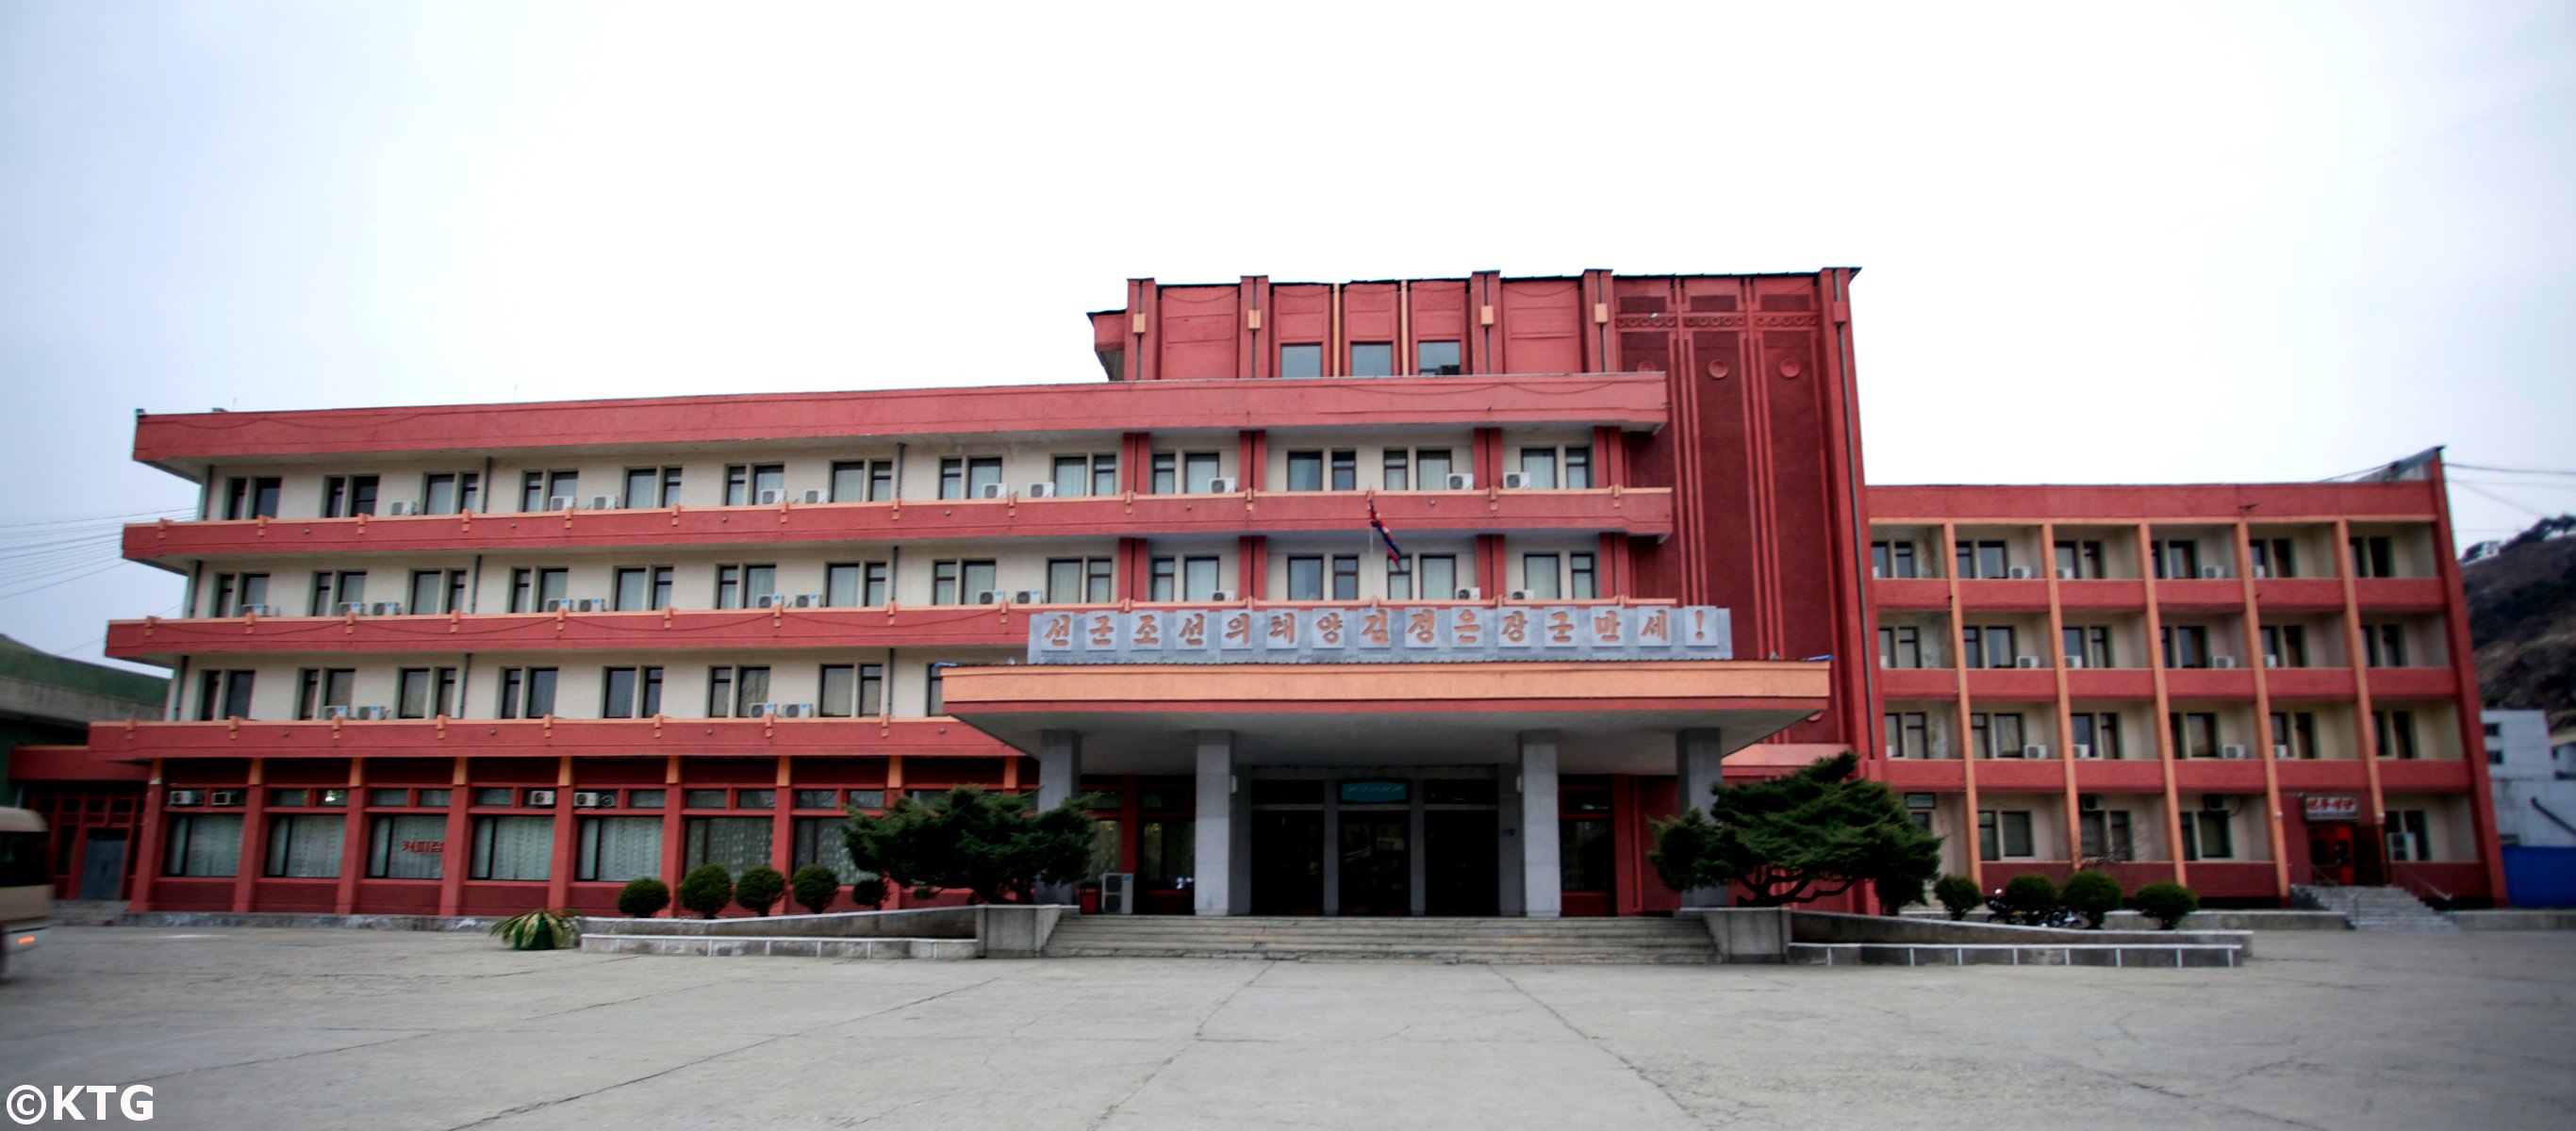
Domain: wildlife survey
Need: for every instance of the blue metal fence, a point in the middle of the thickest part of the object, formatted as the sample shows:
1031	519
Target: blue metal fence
2540	877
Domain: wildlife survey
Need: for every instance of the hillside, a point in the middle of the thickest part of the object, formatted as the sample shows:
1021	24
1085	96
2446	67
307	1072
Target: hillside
2522	614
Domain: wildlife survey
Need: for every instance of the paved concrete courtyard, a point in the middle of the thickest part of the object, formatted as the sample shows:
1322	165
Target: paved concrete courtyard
360	1029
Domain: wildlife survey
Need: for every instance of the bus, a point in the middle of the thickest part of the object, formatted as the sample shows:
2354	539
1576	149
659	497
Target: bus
26	883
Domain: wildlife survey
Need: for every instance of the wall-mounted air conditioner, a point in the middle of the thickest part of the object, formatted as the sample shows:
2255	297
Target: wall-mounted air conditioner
1458	481
2075	661
1515	481
2231	750
338	711
1895	751
541	798
607	503
385	609
759	710
2018	573
223	797
2081	750
350	608
2035	750
991	491
401	507
770	498
1224	485
2262	571
772	601
2025	661
1040	491
1225	595
1517	595
2213	573
1470	593
186	798
2066	573
1878	572
594	799
2222	661
256	611
1028	597
811	497
560	502
2271	660
376	713
2280	752
992	596
795	710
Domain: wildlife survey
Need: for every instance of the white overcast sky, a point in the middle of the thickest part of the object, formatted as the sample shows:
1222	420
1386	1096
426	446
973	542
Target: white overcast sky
2100	243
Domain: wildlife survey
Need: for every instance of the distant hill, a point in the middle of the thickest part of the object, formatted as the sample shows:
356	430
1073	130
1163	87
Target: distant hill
2522	614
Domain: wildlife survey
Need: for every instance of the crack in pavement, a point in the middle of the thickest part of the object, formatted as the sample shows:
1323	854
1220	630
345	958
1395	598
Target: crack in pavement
1614	1054
1198	1035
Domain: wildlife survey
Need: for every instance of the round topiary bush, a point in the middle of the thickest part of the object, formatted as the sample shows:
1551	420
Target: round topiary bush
759	889
869	893
2029	896
643	898
2091	895
706	890
1958	895
2166	902
813	887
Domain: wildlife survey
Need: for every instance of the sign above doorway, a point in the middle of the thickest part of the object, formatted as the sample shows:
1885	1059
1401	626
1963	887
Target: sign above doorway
1381	634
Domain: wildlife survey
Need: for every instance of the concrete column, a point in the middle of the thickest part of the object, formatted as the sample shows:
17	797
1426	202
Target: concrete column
1059	780
1213	831
1542	883
1507	846
1418	883
1333	845
1697	752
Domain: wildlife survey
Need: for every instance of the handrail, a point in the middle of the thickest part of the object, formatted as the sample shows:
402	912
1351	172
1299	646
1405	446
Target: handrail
2400	869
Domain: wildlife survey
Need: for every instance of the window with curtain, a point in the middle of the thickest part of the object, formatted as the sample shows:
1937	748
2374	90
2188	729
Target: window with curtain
306	846
406	846
738	843
513	848
619	848
205	845
818	841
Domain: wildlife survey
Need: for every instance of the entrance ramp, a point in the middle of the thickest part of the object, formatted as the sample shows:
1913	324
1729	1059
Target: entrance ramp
1410	939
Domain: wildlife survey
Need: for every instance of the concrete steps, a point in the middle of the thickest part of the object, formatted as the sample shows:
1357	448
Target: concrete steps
1638	940
2376	908
741	946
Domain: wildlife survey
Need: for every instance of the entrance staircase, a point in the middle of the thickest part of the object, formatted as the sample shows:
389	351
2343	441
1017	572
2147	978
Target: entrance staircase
2374	908
1623	940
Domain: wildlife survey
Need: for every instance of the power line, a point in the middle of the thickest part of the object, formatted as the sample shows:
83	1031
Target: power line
2513	470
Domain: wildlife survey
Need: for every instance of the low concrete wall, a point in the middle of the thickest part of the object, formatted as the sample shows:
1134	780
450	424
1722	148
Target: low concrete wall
910	923
2213	920
2516	919
991	930
1016	931
315	921
1746	934
1764	934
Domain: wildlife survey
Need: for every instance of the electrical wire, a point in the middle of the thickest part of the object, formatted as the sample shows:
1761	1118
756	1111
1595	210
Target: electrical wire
2514	470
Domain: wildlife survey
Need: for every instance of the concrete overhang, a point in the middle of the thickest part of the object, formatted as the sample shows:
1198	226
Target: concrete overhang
1611	717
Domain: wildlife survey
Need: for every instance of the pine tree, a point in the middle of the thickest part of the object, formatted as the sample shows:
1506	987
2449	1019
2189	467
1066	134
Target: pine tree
985	844
1809	834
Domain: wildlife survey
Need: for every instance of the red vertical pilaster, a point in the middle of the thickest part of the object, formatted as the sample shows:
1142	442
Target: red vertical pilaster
353	840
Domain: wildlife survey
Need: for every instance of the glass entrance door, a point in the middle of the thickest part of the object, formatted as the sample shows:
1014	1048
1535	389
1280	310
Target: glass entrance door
1377	863
1288	862
1459	863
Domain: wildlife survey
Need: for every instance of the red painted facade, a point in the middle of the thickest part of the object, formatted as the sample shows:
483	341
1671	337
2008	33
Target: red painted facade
1722	418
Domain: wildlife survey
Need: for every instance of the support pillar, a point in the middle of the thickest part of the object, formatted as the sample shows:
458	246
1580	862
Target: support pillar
1542	882
1697	755
1213	890
1059	781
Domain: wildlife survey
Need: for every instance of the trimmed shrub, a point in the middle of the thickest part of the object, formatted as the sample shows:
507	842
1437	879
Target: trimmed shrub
759	889
2092	895
2166	902
706	890
869	893
2029	896
644	898
1896	893
813	886
1958	895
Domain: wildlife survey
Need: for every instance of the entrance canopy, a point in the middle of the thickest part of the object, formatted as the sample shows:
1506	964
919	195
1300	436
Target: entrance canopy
1141	718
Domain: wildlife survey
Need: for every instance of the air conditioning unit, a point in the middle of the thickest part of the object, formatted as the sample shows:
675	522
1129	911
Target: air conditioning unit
593	605
759	710
1225	595
337	710
560	502
594	799
795	710
2081	750
2280	752
2088	802
2066	573
1224	485
2018	573
2262	571
1878	572
1459	481
2035	750
187	798
1517	595
541	798
385	609
607	503
256	611
809	600
1515	481
223	797
2213	573
2075	661
992	596
1118	893
2025	661
1895	751
2213	802
771	601
350	608
2222	661
399	508
1028	597
990	491
377	713
2232	750
2271	660
1040	491
811	497
1469	593
770	498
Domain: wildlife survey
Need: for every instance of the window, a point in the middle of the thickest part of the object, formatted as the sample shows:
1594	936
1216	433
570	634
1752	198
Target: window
1539	577
934	699
1301	359
450	492
1995	734
515	848
642	588
738	843
421	693
1307	580
2373	556
251	497
237	592
406	846
305	846
1074	580
1539	468
2285	646
2080	560
1983	560
527	693
1166	854
204	844
1900	646
2408	838
1086	475
2185	645
1197	578
436	591
538	590
1909	734
2106	835
549	490
1336	470
2194	733
963	581
2177	558
733	691
2275	557
966	477
1437	359
224	695
630	693
2099	730
1582	580
346	496
743	586
1185	473
852	690
2089	645
332	592
755	484
616	849
860	583
2395	731
1434	575
648	487
1892	559
2206	836
1372	359
317	690
2004	834
863	481
2294	734
1986	646
2384	645
819	841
